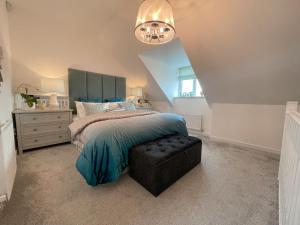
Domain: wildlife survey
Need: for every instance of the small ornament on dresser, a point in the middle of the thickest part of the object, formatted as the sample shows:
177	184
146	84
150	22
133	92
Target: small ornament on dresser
53	88
25	97
63	102
31	101
42	105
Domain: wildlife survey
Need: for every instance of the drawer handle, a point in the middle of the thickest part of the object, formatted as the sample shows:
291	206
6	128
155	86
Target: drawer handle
60	136
58	117
36	141
34	130
59	127
33	118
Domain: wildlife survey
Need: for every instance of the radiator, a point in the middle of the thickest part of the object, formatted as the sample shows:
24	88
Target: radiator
289	171
194	122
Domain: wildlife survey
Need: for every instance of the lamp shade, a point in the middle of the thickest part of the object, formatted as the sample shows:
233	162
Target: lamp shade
137	92
155	22
52	85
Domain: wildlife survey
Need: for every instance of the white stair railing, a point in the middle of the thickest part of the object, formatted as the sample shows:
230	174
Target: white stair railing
289	171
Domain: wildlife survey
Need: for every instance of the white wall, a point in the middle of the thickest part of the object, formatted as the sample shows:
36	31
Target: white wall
7	148
164	74
258	126
162	106
163	63
192	109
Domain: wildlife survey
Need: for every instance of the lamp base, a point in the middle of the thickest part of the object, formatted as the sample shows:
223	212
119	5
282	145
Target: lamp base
53	103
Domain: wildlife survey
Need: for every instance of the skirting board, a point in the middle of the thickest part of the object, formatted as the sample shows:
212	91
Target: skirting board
273	151
194	132
3	198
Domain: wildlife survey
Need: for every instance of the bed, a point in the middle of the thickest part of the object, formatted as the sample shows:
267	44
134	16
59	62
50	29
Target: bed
104	138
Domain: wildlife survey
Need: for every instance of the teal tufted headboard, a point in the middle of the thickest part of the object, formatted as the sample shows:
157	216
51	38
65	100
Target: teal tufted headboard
94	87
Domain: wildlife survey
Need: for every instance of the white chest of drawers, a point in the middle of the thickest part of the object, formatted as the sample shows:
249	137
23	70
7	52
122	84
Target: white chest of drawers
39	128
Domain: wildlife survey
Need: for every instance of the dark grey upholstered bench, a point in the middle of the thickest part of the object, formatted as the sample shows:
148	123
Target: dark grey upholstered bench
158	164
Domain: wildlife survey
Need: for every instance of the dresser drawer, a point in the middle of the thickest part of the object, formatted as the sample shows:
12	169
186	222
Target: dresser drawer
38	129
39	141
44	117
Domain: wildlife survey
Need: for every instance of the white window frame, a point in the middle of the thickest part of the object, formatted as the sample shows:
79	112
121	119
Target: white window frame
190	75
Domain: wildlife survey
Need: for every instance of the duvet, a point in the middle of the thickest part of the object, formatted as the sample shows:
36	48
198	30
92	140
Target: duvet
107	137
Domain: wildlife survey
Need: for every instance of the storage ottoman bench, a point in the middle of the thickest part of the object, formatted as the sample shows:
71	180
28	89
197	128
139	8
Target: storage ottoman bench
158	164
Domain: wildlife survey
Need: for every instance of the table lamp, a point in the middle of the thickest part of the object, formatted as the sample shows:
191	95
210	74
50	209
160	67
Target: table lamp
136	92
52	87
136	95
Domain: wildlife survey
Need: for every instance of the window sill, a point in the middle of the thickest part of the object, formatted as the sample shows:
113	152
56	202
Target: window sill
189	97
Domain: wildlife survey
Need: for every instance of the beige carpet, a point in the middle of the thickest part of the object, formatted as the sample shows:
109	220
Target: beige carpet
230	187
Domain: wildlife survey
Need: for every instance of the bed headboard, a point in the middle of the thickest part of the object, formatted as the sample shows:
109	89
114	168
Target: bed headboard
94	87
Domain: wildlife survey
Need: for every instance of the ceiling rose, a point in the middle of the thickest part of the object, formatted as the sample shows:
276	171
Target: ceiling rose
155	22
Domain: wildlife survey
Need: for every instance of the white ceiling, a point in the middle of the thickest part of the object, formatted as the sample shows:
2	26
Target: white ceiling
243	51
171	53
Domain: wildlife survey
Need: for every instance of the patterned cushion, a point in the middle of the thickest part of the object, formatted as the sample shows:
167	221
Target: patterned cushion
120	106
92	108
127	105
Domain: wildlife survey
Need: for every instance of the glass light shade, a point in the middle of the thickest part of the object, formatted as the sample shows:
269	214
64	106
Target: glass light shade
155	22
137	92
52	85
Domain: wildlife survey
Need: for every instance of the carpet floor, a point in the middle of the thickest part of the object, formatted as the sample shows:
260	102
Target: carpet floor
232	186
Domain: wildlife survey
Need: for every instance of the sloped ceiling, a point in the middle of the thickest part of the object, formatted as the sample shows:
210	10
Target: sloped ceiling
243	51
50	36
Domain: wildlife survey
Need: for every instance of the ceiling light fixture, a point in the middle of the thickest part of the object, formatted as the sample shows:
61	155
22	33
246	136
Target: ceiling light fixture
155	22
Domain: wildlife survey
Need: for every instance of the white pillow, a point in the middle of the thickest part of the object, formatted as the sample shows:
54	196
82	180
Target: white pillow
80	109
92	108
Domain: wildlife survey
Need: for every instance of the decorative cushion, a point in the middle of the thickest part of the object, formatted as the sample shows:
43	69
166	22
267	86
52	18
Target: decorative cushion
120	106
80	109
92	108
113	100
113	106
127	105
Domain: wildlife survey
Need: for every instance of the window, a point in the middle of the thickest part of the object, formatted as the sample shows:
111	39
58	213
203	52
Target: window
188	83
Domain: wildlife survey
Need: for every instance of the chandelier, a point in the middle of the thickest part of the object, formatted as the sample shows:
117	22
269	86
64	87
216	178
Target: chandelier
155	22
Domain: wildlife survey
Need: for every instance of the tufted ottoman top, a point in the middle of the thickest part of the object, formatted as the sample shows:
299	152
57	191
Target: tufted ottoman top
162	149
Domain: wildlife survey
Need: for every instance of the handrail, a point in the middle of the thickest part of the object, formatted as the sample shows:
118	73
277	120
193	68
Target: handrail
295	115
4	125
289	177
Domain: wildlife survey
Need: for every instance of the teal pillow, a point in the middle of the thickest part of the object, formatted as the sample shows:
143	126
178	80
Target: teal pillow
91	100
113	100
